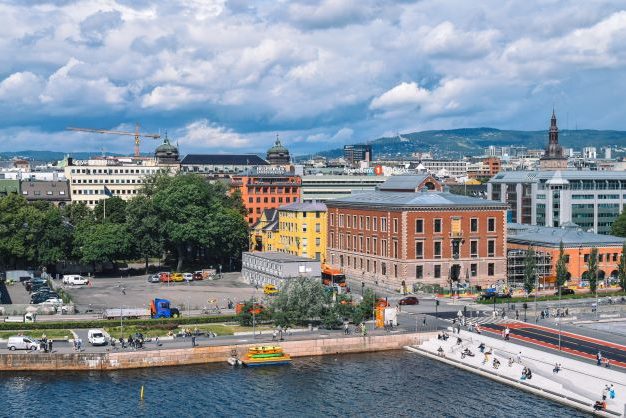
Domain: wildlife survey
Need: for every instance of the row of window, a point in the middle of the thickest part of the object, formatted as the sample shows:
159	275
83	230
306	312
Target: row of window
106	181
147	171
273	189
101	192
293	227
363	223
38	193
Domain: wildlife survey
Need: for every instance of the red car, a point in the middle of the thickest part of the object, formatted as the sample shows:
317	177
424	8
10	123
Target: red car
409	300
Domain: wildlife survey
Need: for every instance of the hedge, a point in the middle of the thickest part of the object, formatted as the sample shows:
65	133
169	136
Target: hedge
100	323
522	299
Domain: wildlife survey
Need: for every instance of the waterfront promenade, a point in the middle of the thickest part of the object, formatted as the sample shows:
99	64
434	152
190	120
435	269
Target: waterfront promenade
577	383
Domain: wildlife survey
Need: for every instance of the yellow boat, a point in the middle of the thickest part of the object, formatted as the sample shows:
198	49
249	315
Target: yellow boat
265	356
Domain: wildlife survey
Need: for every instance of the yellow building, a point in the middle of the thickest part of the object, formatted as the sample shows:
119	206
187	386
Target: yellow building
264	233
302	229
297	228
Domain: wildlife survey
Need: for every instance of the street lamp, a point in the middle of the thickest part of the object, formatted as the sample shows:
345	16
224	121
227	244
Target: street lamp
536	291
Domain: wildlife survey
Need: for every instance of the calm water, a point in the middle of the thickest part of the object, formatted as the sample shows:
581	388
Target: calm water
367	385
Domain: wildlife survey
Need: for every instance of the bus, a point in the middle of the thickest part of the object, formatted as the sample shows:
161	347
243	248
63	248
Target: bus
332	277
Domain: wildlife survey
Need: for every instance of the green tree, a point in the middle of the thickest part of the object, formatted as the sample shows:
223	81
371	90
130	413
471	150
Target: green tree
592	269
301	299
561	267
115	210
143	225
621	268
102	242
619	226
366	307
530	270
76	213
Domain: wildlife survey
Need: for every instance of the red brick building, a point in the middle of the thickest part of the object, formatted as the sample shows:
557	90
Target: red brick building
425	237
266	191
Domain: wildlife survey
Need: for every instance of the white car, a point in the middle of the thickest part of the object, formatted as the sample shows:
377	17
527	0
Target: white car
188	277
96	337
53	301
75	280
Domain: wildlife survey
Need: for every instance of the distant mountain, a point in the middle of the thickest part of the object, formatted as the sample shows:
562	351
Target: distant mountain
48	156
456	143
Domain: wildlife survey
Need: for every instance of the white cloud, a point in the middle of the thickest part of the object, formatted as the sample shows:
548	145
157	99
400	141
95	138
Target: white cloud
203	134
20	87
170	97
401	95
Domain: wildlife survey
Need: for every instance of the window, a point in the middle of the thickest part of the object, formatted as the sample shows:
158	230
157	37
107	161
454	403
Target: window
491	224
361	243
318	241
367	245
332	239
586	258
304	227
419	249
318	227
367	223
348	221
340	220
491	248
395	225
361	222
383	269
474	269
473	248
383	224
374	245
437	271
354	221
395	249
437	225
375	223
491	267
437	249
395	270
419	272
600	258
383	247
332	219
474	225
419	226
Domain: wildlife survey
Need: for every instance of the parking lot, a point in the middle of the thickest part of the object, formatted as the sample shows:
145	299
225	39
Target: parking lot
136	292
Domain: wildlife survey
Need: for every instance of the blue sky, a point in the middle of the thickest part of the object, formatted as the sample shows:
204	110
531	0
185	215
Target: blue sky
227	76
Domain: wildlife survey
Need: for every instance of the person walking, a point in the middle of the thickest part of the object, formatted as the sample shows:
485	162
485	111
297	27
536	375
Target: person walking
346	328
50	345
193	340
274	335
599	358
611	392
507	333
605	392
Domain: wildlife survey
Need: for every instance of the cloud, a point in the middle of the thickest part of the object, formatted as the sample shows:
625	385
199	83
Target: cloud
204	134
401	95
318	72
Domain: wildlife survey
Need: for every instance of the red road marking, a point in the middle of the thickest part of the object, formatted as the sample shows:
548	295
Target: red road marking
556	347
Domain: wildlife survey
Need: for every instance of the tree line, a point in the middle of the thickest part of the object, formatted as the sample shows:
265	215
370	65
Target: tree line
184	217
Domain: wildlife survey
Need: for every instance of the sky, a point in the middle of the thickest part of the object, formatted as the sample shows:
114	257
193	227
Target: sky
228	76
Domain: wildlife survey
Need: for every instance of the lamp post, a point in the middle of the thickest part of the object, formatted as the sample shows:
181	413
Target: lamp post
559	311
536	291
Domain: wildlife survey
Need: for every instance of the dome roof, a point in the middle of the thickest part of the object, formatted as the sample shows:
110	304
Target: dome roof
278	148
278	154
166	151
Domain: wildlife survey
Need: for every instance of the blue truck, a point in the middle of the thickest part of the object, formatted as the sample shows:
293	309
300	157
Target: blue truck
160	308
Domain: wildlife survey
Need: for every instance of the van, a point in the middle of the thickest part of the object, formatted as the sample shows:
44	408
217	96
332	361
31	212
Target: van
75	279
96	337
22	343
270	289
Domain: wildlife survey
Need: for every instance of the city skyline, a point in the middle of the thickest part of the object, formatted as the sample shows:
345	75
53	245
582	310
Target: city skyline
227	76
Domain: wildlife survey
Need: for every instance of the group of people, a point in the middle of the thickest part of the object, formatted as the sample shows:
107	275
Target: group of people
135	342
526	374
45	344
607	392
78	344
602	361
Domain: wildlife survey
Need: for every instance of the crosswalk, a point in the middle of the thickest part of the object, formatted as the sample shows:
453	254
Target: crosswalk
486	319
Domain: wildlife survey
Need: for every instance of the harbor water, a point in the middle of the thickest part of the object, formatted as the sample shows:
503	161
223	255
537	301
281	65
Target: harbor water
394	384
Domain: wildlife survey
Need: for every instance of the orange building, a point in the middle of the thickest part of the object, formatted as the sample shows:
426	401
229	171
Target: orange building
577	246
268	188
488	167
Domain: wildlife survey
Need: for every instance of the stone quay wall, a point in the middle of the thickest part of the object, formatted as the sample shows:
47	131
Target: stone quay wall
117	360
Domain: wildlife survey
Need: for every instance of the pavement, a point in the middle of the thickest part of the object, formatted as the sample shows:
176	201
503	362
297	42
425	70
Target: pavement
577	382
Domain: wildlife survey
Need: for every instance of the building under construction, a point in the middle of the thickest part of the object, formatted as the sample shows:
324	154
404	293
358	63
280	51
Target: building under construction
516	259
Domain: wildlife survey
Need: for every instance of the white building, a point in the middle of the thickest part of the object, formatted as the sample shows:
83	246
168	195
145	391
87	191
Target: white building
590	153
321	188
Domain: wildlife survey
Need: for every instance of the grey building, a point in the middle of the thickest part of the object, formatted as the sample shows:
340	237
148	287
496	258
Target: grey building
590	199
220	165
273	267
354	154
56	192
321	188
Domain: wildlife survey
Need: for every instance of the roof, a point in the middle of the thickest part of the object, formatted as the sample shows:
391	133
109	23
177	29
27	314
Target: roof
45	190
223	159
304	207
417	199
404	182
280	257
570	236
561	175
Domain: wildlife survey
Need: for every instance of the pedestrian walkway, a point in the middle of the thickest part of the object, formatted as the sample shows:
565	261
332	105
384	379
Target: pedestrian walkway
574	383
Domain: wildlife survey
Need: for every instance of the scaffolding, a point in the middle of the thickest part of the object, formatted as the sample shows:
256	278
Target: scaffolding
515	266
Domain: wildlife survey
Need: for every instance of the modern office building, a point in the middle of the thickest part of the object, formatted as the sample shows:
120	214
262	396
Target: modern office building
266	191
220	165
429	237
446	168
590	199
277	268
321	188
354	154
577	245
101	177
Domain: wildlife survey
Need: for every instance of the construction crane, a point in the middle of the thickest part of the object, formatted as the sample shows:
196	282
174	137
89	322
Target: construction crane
138	135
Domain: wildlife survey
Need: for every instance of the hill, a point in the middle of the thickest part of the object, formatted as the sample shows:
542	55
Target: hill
48	156
456	143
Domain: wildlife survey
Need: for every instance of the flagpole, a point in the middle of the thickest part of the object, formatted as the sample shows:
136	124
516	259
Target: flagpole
105	209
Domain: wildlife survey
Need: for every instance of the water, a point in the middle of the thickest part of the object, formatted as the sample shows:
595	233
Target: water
398	384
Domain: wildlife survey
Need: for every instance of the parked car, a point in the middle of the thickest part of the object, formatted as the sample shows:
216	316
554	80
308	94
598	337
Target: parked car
188	277
565	291
22	343
155	278
270	289
75	280
409	300
96	337
54	301
177	277
165	277
198	275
